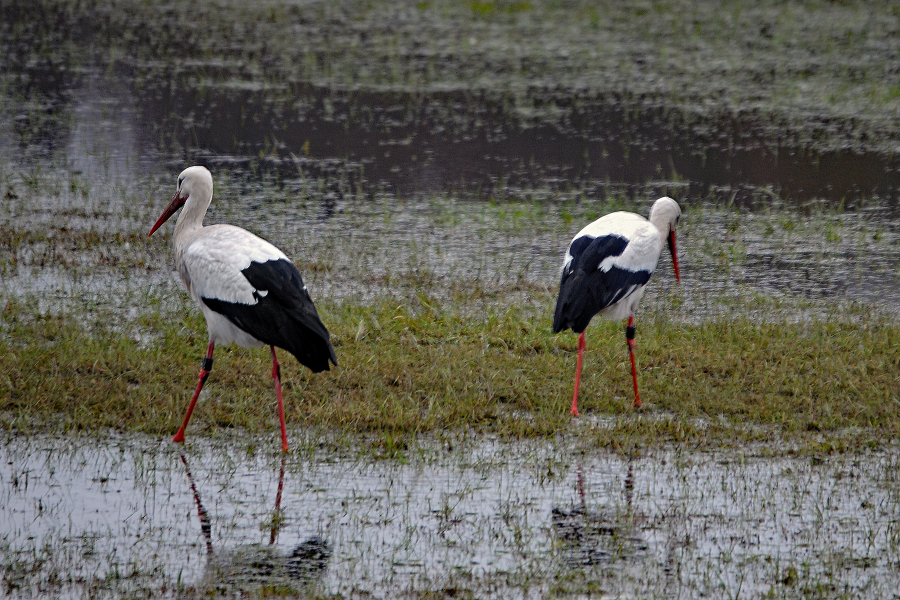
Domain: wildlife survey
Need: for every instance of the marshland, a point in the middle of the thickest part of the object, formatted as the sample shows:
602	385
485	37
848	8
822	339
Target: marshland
425	165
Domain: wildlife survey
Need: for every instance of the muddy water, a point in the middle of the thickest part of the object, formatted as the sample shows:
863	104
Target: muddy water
116	516
405	143
797	100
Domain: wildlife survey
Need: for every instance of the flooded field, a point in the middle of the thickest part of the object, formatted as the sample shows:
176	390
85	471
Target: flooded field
130	516
429	152
74	222
482	182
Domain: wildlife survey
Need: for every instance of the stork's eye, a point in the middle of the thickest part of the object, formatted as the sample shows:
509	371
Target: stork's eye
180	181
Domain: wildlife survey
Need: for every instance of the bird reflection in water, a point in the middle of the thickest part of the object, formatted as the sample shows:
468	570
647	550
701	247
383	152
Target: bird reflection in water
595	536
255	565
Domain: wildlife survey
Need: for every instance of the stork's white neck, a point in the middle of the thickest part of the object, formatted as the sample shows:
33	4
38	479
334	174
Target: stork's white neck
192	213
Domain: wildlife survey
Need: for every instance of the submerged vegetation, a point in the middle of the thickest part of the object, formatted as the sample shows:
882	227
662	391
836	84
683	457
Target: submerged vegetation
449	517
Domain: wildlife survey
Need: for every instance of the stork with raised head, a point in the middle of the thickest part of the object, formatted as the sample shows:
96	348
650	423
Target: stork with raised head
248	290
605	270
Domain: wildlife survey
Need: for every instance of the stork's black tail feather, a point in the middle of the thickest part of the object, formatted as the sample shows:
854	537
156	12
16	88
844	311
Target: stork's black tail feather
311	349
572	310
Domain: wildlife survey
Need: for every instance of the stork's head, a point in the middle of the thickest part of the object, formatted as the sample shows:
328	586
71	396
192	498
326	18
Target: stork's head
195	184
664	215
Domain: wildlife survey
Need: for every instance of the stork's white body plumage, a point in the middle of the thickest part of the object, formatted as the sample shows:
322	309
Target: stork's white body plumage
641	255
211	261
248	290
605	270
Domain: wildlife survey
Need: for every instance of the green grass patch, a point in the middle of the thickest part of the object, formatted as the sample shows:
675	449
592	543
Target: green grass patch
421	367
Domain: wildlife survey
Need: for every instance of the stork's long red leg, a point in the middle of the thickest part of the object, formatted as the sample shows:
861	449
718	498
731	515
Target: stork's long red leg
581	346
276	375
205	370
629	337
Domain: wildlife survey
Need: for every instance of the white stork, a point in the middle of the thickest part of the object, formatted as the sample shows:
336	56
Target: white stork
605	270
248	290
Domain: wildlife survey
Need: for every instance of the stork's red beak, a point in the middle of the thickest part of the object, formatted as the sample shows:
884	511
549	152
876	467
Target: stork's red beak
674	254
174	205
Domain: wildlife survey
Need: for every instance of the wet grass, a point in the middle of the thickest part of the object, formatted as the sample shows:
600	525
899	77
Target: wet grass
429	366
441	320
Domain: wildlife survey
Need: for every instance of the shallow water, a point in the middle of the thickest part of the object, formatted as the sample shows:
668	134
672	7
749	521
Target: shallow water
119	515
76	225
381	189
799	99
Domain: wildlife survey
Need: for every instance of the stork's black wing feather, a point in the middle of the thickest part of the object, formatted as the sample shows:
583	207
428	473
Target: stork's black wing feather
585	290
284	314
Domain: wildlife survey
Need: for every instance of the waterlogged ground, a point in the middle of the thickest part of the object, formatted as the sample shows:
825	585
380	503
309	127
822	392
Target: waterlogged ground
402	151
73	244
790	191
133	516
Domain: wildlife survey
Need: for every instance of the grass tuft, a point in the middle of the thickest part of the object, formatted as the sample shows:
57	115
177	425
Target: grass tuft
429	366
